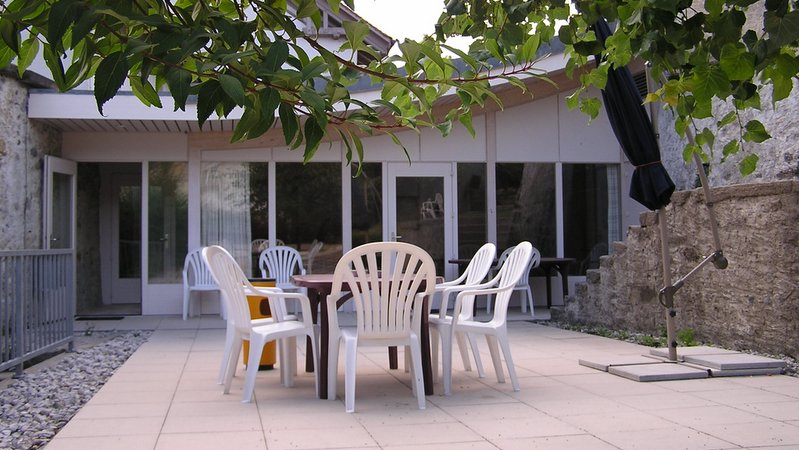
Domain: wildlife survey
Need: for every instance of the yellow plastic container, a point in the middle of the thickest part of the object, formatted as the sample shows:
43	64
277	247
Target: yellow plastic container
259	309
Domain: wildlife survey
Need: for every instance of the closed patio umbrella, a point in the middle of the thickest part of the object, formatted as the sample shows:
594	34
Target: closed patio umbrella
651	185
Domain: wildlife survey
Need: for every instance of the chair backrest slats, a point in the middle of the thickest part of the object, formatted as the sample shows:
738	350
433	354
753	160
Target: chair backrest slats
195	270
385	280
280	262
513	268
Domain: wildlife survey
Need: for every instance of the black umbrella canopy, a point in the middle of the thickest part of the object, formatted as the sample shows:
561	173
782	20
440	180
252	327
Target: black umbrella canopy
651	185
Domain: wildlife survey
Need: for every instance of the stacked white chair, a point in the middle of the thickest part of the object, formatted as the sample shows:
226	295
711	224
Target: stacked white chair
522	286
441	323
495	330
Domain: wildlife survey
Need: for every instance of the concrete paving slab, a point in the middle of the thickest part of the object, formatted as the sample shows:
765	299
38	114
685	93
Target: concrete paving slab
735	361
604	362
686	351
658	372
745	372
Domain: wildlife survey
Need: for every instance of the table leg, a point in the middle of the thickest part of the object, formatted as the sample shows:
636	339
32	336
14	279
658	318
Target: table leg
324	341
564	276
392	358
548	275
314	297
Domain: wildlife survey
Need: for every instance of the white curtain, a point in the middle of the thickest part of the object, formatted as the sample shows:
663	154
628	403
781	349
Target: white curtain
614	208
226	209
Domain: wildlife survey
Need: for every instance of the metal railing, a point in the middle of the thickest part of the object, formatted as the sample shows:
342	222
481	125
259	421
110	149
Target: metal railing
37	304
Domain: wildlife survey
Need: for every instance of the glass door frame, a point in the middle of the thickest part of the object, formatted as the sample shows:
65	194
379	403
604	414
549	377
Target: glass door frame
393	170
54	165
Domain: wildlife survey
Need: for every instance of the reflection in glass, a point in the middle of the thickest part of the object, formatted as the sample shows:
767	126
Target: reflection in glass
129	222
472	223
420	215
591	213
61	212
309	208
367	204
167	221
235	209
526	206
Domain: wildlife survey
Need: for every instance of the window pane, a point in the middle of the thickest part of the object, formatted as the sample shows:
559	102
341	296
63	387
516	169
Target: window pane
309	208
472	226
167	221
526	206
367	204
235	209
591	213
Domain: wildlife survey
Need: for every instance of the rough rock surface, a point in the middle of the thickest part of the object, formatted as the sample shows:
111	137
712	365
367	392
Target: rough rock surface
34	407
752	305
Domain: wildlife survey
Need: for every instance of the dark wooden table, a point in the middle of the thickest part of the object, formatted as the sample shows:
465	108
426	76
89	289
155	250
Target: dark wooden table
319	287
548	266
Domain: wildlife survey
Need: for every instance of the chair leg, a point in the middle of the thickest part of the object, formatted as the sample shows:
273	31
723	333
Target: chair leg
229	336
351	361
481	373
314	349
257	343
494	350
434	344
531	302
503	342
232	362
418	383
461	340
446	359
332	366
186	300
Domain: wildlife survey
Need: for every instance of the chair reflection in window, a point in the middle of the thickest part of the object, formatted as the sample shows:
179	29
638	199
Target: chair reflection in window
433	209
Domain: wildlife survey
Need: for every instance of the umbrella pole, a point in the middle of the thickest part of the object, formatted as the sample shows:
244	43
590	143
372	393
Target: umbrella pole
667	293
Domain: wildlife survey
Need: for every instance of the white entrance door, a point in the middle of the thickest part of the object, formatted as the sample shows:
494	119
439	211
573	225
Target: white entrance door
60	188
420	210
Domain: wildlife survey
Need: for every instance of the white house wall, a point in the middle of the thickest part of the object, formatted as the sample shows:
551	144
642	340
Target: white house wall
582	141
459	145
125	147
529	132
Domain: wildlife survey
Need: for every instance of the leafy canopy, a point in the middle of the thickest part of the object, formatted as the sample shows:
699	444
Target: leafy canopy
252	55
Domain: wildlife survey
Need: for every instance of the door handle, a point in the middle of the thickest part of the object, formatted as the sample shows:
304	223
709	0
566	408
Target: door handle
394	236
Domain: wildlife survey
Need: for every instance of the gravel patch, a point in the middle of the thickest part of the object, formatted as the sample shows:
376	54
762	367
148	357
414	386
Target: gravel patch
34	407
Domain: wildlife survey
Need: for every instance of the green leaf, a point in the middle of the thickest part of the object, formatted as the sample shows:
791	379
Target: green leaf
289	122
62	15
727	119
466	120
730	148
56	68
689	150
276	56
783	30
709	81
748	164
249	119
713	7
313	136
315	104
591	106
179	82
6	55
233	88
109	77
756	132
27	52
209	97
313	69
530	47
10	34
737	62
356	32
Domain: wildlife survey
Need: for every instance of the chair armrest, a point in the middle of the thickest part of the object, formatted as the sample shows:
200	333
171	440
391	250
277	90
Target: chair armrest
261	291
305	304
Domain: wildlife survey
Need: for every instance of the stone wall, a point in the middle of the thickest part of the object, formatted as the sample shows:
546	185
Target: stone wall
753	304
23	145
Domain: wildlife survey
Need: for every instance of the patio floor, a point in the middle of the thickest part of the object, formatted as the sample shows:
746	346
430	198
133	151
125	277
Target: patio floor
165	397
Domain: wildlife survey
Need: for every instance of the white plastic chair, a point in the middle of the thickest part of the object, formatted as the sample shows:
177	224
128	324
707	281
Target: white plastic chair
281	262
523	285
228	275
197	278
388	282
495	330
441	323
